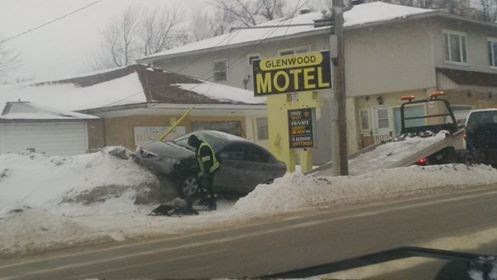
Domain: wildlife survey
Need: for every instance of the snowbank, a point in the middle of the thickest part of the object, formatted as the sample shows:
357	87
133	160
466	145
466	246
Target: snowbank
51	202
296	191
66	185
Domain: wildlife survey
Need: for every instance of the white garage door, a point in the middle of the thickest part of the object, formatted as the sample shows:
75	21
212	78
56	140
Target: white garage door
53	138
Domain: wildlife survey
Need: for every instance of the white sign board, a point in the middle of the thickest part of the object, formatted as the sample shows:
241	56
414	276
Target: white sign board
145	134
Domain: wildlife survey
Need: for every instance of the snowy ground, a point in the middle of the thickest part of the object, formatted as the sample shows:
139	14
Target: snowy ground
50	202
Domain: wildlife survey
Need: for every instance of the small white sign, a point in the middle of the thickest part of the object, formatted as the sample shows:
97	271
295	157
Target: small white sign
153	133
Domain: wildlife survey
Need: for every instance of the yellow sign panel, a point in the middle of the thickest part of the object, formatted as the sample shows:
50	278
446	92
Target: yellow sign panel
292	73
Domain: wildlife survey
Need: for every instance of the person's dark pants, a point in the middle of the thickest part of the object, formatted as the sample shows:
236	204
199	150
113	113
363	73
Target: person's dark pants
206	184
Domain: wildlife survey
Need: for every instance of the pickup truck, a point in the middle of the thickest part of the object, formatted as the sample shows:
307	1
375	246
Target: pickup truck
481	136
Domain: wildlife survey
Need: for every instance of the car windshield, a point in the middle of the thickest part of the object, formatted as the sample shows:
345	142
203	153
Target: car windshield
331	130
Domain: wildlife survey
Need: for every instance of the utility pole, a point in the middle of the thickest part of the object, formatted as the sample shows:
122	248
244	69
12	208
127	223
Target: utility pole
338	122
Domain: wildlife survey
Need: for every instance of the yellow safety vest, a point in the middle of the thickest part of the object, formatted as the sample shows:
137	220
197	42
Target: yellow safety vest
201	160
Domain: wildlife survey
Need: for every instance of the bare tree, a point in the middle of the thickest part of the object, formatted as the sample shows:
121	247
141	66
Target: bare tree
138	32
488	10
9	60
250	12
159	30
205	25
120	40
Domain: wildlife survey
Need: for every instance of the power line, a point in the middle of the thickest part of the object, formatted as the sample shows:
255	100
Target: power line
50	21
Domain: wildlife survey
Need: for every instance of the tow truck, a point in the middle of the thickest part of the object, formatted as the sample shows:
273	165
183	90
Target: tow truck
438	140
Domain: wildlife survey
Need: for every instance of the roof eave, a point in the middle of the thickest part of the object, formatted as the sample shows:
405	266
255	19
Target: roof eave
147	60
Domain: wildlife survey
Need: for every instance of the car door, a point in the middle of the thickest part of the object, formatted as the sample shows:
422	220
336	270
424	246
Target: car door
258	166
230	176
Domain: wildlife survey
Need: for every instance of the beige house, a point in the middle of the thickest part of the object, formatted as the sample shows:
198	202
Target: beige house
137	104
390	50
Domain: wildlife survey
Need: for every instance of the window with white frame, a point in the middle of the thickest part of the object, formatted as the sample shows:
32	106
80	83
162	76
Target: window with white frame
364	117
302	49
262	129
252	57
455	47
220	70
492	51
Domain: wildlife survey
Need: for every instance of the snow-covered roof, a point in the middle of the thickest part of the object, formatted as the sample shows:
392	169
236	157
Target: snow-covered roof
134	84
21	110
222	92
359	15
73	97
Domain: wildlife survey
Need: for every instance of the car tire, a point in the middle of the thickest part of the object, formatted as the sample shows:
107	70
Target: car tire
471	158
190	187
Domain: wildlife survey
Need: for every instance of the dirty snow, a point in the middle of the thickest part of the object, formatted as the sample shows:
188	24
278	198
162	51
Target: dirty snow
296	191
358	15
385	155
49	183
50	202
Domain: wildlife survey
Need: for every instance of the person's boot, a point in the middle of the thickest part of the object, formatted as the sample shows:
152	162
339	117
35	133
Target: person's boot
211	203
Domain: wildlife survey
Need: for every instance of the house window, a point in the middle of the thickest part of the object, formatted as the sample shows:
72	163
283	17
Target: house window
262	129
220	70
364	115
455	47
296	50
492	52
232	127
382	118
253	57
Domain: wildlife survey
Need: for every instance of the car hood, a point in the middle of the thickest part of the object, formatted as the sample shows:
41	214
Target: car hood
168	149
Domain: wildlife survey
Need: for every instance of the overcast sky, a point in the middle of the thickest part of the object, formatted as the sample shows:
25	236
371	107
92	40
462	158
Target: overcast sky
62	49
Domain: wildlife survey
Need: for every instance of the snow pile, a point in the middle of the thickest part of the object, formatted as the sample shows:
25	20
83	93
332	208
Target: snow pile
97	182
296	191
24	231
385	155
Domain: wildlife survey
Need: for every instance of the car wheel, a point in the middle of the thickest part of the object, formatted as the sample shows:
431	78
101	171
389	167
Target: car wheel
471	158
190	187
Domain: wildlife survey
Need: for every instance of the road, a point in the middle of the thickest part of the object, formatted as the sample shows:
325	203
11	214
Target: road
274	245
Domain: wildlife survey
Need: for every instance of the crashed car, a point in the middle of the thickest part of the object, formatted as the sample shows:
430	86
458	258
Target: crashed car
244	165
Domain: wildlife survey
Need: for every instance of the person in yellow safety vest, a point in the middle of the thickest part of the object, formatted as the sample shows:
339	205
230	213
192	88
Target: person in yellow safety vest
207	165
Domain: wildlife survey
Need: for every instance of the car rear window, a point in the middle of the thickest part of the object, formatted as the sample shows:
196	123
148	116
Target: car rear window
482	117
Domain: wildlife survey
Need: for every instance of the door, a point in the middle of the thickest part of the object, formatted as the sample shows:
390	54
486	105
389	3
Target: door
230	176
258	166
52	138
382	129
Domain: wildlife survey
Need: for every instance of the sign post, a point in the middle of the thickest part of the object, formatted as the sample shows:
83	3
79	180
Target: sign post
290	83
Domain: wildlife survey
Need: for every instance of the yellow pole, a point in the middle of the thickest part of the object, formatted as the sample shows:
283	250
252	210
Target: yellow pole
163	136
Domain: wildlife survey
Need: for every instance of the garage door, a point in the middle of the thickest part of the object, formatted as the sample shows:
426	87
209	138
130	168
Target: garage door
53	138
